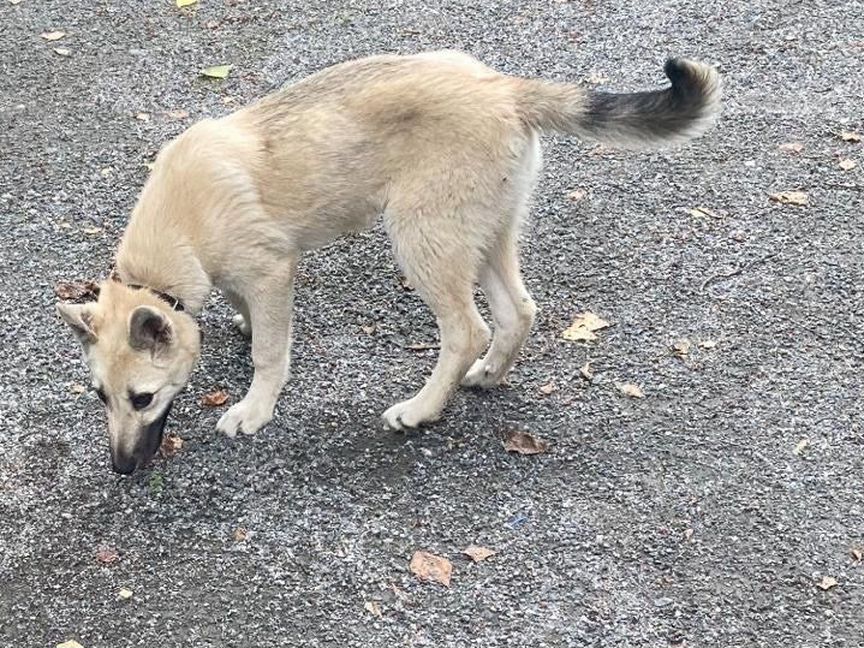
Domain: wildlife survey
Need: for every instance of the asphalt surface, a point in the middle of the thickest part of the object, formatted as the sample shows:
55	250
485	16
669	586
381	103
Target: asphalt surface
685	518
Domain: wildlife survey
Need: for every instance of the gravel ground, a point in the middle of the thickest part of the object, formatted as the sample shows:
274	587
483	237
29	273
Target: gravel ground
685	518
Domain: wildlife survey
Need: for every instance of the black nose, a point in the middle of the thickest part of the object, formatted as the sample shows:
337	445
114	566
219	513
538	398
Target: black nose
123	465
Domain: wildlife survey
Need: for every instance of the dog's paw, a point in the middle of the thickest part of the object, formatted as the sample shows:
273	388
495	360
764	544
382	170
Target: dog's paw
409	414
242	325
244	417
482	374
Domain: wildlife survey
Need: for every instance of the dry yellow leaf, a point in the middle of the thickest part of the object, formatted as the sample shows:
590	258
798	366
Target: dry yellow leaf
478	554
524	443
70	644
431	568
217	71
846	164
52	35
373	608
92	230
631	390
799	198
185	3
792	147
124	594
583	327
827	583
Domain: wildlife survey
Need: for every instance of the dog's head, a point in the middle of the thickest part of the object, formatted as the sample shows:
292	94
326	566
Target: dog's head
140	353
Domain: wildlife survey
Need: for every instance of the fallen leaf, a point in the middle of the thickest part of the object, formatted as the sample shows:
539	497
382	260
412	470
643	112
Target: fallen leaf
52	35
240	534
586	372
682	347
799	198
215	398
597	79
178	114
62	51
583	327
92	230
801	446
107	171
217	71
77	388
124	594
827	583
524	443
548	388
373	608
631	390
368	329
708	344
703	212
857	554
70	644
846	164
431	568
688	534
171	445
107	555
142	116
849	136
478	554
185	3
792	147
77	291
576	195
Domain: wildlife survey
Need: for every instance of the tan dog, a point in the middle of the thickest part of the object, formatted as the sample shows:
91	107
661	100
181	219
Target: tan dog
445	148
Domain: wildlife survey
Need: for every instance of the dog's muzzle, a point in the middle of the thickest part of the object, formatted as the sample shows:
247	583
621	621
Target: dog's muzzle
149	439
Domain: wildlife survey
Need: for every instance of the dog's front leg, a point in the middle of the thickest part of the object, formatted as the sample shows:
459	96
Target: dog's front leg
270	303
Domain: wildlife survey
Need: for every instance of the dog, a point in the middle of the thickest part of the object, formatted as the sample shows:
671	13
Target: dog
443	148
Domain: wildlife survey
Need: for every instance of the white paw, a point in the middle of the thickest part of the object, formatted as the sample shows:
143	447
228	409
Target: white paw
246	417
409	414
481	374
242	325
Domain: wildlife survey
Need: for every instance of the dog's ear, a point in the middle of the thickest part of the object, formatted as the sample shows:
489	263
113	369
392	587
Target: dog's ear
149	329
79	317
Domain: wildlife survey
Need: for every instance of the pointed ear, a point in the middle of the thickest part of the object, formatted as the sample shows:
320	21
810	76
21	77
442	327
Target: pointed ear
149	329
79	317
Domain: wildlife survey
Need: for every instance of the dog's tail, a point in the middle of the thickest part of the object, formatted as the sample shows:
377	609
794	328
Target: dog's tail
682	111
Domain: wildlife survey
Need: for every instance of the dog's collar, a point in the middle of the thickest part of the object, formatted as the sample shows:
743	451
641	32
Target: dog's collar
171	300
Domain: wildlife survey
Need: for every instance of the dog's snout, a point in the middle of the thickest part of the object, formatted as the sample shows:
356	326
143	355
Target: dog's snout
123	464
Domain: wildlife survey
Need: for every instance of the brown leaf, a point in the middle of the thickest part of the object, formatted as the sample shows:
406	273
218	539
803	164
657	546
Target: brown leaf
792	147
827	583
215	398
431	568
576	195
583	327
240	534
857	554
478	554
77	291
682	347
846	164
52	35
849	136
524	443
586	372
107	555
631	390
171	445
548	388
373	608
799	198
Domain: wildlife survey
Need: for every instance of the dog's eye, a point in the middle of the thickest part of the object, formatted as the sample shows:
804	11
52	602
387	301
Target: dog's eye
140	401
101	395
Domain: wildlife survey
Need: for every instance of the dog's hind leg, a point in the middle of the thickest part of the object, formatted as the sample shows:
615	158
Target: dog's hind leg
440	261
512	312
241	319
269	298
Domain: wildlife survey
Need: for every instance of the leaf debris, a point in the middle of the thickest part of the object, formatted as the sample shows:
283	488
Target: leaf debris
431	568
524	443
215	398
584	327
